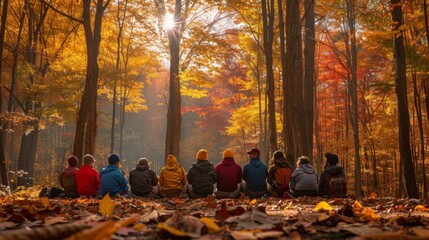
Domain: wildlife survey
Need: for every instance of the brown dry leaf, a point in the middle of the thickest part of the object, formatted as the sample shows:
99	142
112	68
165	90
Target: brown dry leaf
372	195
294	236
99	232
6	225
182	226
239	235
421	232
106	206
269	234
141	227
421	208
55	220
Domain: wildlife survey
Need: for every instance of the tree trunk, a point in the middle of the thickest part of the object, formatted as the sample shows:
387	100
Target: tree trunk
268	32
352	65
418	107
309	79
174	118
86	125
293	83
401	95
3	165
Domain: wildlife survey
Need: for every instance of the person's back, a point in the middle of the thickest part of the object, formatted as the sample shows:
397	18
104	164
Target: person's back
255	174
279	175
304	179
229	175
332	180
143	180
67	178
87	178
172	178
201	176
112	180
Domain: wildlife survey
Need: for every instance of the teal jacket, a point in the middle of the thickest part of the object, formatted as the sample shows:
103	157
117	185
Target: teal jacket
112	181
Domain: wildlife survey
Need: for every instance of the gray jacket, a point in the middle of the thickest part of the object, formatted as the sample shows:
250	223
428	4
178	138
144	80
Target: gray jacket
304	178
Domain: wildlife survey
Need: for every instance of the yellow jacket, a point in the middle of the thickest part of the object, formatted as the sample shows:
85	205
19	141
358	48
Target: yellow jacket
172	175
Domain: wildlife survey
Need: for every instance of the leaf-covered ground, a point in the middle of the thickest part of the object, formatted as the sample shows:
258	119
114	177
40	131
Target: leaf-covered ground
26	217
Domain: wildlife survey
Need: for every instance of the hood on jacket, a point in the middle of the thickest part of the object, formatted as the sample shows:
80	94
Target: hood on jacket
172	163
203	166
70	171
307	168
228	161
109	168
282	162
142	167
256	162
334	170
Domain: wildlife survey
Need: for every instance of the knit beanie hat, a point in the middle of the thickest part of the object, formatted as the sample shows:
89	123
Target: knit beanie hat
143	161
278	154
228	154
331	158
171	160
113	158
73	161
202	155
88	159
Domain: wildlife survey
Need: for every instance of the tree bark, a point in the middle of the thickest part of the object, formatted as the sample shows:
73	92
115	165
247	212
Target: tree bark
174	118
401	95
3	165
86	125
268	33
352	77
309	80
293	87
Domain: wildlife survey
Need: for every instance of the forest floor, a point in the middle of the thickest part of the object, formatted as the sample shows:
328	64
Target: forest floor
25	216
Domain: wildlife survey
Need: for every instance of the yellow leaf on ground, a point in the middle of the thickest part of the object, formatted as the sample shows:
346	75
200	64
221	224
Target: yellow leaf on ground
210	224
46	202
106	206
322	206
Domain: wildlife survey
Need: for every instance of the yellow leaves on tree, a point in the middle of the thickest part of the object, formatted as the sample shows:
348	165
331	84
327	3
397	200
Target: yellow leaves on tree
106	206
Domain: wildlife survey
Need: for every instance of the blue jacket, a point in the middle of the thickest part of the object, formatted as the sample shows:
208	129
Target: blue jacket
255	173
112	181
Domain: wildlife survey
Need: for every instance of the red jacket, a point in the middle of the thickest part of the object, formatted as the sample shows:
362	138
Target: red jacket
87	181
228	175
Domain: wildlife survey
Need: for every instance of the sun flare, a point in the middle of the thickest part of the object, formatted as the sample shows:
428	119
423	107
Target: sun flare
169	21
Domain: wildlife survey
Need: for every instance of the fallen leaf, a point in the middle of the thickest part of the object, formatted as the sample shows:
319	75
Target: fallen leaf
322	206
421	208
55	220
239	235
182	226
106	206
46	202
210	224
6	225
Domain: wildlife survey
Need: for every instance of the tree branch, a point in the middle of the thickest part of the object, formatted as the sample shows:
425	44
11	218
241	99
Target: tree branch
61	13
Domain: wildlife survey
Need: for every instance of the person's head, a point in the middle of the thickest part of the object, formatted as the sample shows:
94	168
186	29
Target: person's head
72	161
143	162
302	160
171	160
228	154
254	153
331	159
114	159
202	155
278	155
88	159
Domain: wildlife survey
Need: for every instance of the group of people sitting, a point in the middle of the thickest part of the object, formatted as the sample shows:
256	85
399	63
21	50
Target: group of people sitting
224	180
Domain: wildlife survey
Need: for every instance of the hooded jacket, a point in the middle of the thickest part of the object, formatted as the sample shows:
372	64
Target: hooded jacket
142	179
87	181
304	178
278	163
255	174
113	181
202	177
331	170
172	176
68	181
229	174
